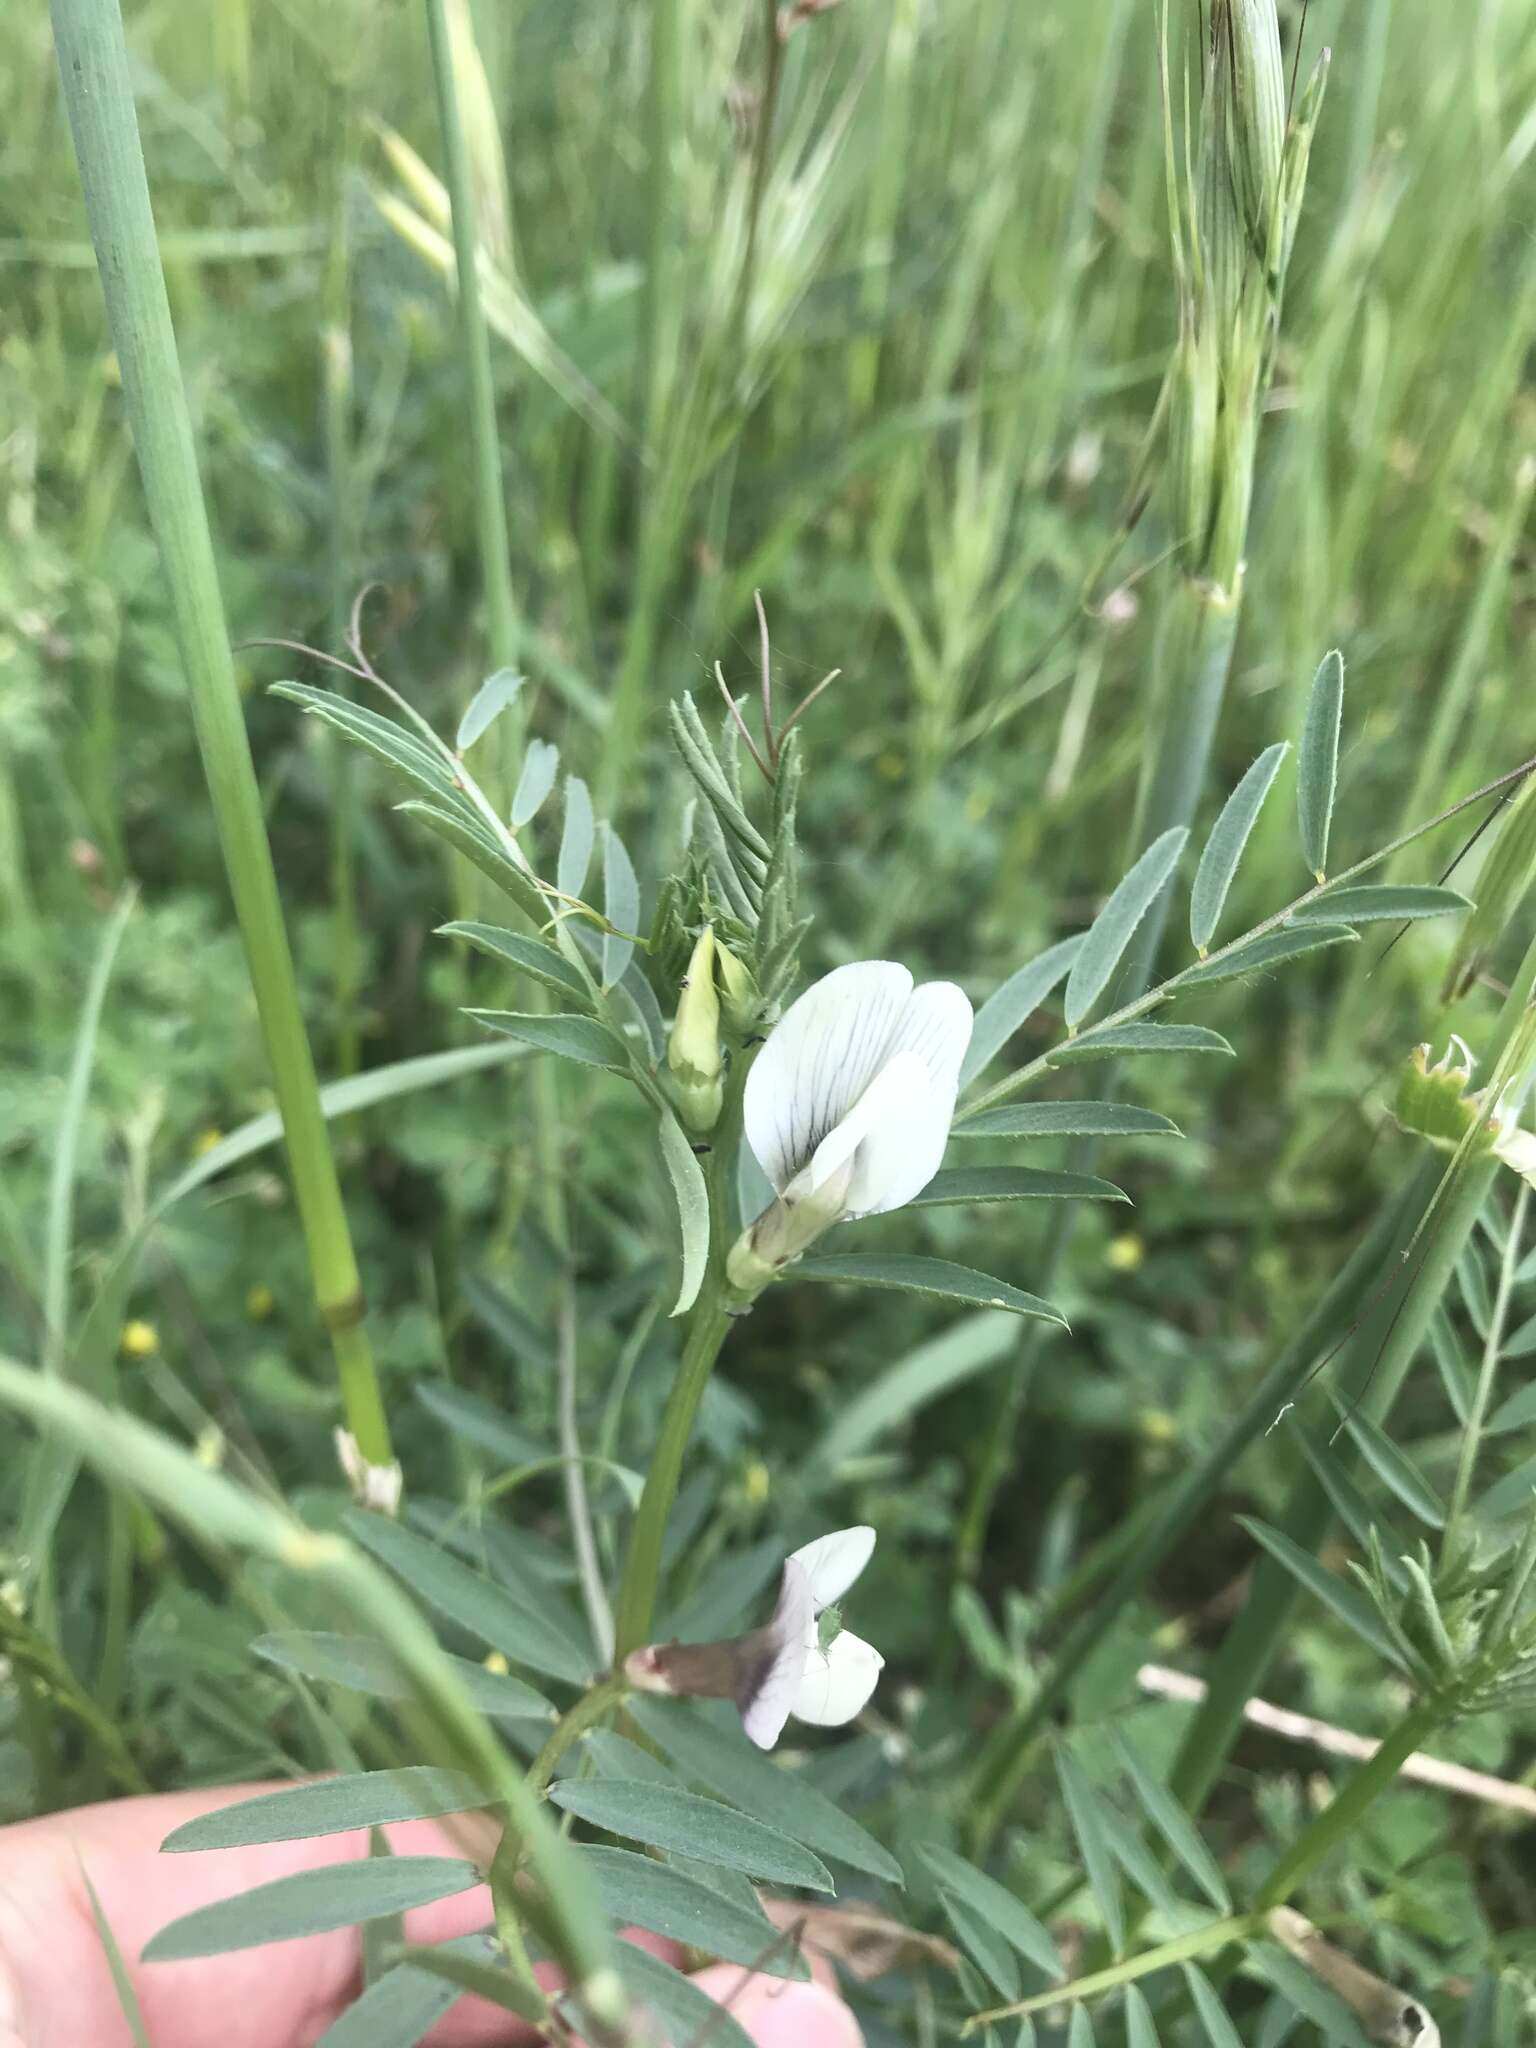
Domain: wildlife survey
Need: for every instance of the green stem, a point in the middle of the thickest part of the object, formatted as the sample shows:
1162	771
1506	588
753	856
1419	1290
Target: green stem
474	340
1184	1948
98	96
658	289
593	1705
642	1564
1343	1813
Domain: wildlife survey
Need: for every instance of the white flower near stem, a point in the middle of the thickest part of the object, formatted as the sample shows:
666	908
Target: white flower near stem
848	1106
802	1663
373	1486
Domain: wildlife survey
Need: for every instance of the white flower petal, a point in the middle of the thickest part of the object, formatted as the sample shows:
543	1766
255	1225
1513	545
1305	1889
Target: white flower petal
936	1024
763	1716
832	1563
904	1149
882	1107
819	1059
837	1682
1518	1149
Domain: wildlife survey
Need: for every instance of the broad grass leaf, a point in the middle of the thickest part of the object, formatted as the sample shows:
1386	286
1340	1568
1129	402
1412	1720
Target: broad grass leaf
1229	838
1115	926
541	764
528	956
1289	943
996	1905
691	1194
1351	1607
338	1099
1310	1995
1376	902
918	1275
486	706
1219	2030
1116	1041
486	1610
687	2014
1178	1831
1140	2028
576	836
640	1892
1015	1184
684	1824
331	1806
1394	1468
621	906
1317	765
967	1347
1084	1808
312	1902
468	1416
722	1758
1067	1120
581	1039
1018	998
372	1668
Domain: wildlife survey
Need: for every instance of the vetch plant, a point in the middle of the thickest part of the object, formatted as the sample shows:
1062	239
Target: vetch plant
803	1663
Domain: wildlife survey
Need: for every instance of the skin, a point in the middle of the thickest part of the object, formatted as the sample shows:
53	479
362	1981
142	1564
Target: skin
56	1988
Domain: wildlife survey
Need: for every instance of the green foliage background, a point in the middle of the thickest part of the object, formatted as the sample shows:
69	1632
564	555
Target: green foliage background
917	439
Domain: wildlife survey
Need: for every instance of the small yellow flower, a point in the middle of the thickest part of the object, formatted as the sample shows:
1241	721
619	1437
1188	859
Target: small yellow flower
1158	1426
494	1661
205	1141
259	1302
1125	1253
209	1448
139	1339
757	1482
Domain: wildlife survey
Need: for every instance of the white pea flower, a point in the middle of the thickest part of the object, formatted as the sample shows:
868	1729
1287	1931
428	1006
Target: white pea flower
848	1106
802	1663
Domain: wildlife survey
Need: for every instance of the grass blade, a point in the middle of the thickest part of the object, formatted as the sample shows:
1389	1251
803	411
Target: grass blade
1317	766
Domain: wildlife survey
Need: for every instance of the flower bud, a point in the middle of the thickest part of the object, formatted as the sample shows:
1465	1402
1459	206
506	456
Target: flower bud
693	1052
741	999
786	1228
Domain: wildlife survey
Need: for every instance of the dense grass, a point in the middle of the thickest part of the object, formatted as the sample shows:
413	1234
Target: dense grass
894	363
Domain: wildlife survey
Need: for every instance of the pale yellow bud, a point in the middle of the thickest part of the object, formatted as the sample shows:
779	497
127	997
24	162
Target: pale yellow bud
693	1051
742	1000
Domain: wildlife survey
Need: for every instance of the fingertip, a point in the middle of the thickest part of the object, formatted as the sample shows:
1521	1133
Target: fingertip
781	2015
